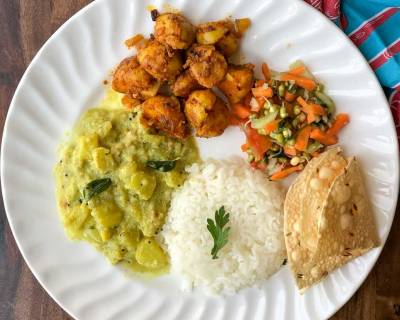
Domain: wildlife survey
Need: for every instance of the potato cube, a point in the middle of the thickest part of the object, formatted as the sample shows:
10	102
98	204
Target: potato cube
143	184
84	149
174	179
102	158
107	215
150	255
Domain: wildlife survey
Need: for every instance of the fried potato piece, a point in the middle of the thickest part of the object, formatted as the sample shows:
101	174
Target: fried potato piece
228	45
207	66
207	113
130	78
197	105
212	32
174	30
238	82
159	60
221	34
129	102
164	114
184	85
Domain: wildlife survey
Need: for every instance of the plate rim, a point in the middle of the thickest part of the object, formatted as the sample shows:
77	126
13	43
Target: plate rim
83	10
11	109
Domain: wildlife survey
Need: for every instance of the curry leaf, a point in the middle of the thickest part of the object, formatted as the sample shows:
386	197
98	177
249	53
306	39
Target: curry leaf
162	165
95	187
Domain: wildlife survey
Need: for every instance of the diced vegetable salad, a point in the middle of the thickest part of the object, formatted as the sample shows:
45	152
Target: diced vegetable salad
287	119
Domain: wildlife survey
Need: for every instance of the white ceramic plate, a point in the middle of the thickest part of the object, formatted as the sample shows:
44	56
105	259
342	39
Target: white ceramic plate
66	77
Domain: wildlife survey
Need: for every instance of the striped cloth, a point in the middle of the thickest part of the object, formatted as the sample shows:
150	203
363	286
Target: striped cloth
374	27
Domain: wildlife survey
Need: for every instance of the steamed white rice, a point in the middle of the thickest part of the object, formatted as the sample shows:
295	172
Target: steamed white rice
255	249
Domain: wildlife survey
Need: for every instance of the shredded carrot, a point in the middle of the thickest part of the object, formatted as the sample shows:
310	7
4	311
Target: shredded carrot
311	118
289	97
298	71
131	42
260	102
262	92
341	120
302	102
286	172
241	111
272	126
323	137
302	138
317	109
305	83
311	109
245	147
259	83
260	165
259	144
290	150
265	71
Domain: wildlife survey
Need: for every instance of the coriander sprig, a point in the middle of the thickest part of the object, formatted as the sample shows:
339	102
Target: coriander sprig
219	234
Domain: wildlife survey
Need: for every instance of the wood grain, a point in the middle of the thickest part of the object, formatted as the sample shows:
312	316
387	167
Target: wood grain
25	25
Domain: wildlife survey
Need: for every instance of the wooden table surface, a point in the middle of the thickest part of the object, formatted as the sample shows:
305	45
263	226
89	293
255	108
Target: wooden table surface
24	26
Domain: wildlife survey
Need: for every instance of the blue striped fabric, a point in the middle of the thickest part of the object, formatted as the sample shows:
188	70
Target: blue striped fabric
373	26
376	25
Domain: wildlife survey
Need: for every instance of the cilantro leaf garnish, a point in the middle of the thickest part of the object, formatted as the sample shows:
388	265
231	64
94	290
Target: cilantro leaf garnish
219	234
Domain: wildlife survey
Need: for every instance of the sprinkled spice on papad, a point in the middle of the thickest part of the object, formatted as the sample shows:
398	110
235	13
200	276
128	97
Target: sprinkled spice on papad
341	228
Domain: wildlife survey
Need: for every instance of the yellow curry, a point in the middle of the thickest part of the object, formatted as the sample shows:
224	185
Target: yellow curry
110	152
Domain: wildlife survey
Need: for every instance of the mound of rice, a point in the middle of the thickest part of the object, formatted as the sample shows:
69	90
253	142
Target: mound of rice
255	249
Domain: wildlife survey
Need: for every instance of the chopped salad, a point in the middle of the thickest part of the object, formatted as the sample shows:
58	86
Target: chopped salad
287	119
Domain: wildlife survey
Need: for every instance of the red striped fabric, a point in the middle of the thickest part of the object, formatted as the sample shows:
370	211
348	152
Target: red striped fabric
361	34
331	8
394	101
317	4
385	55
